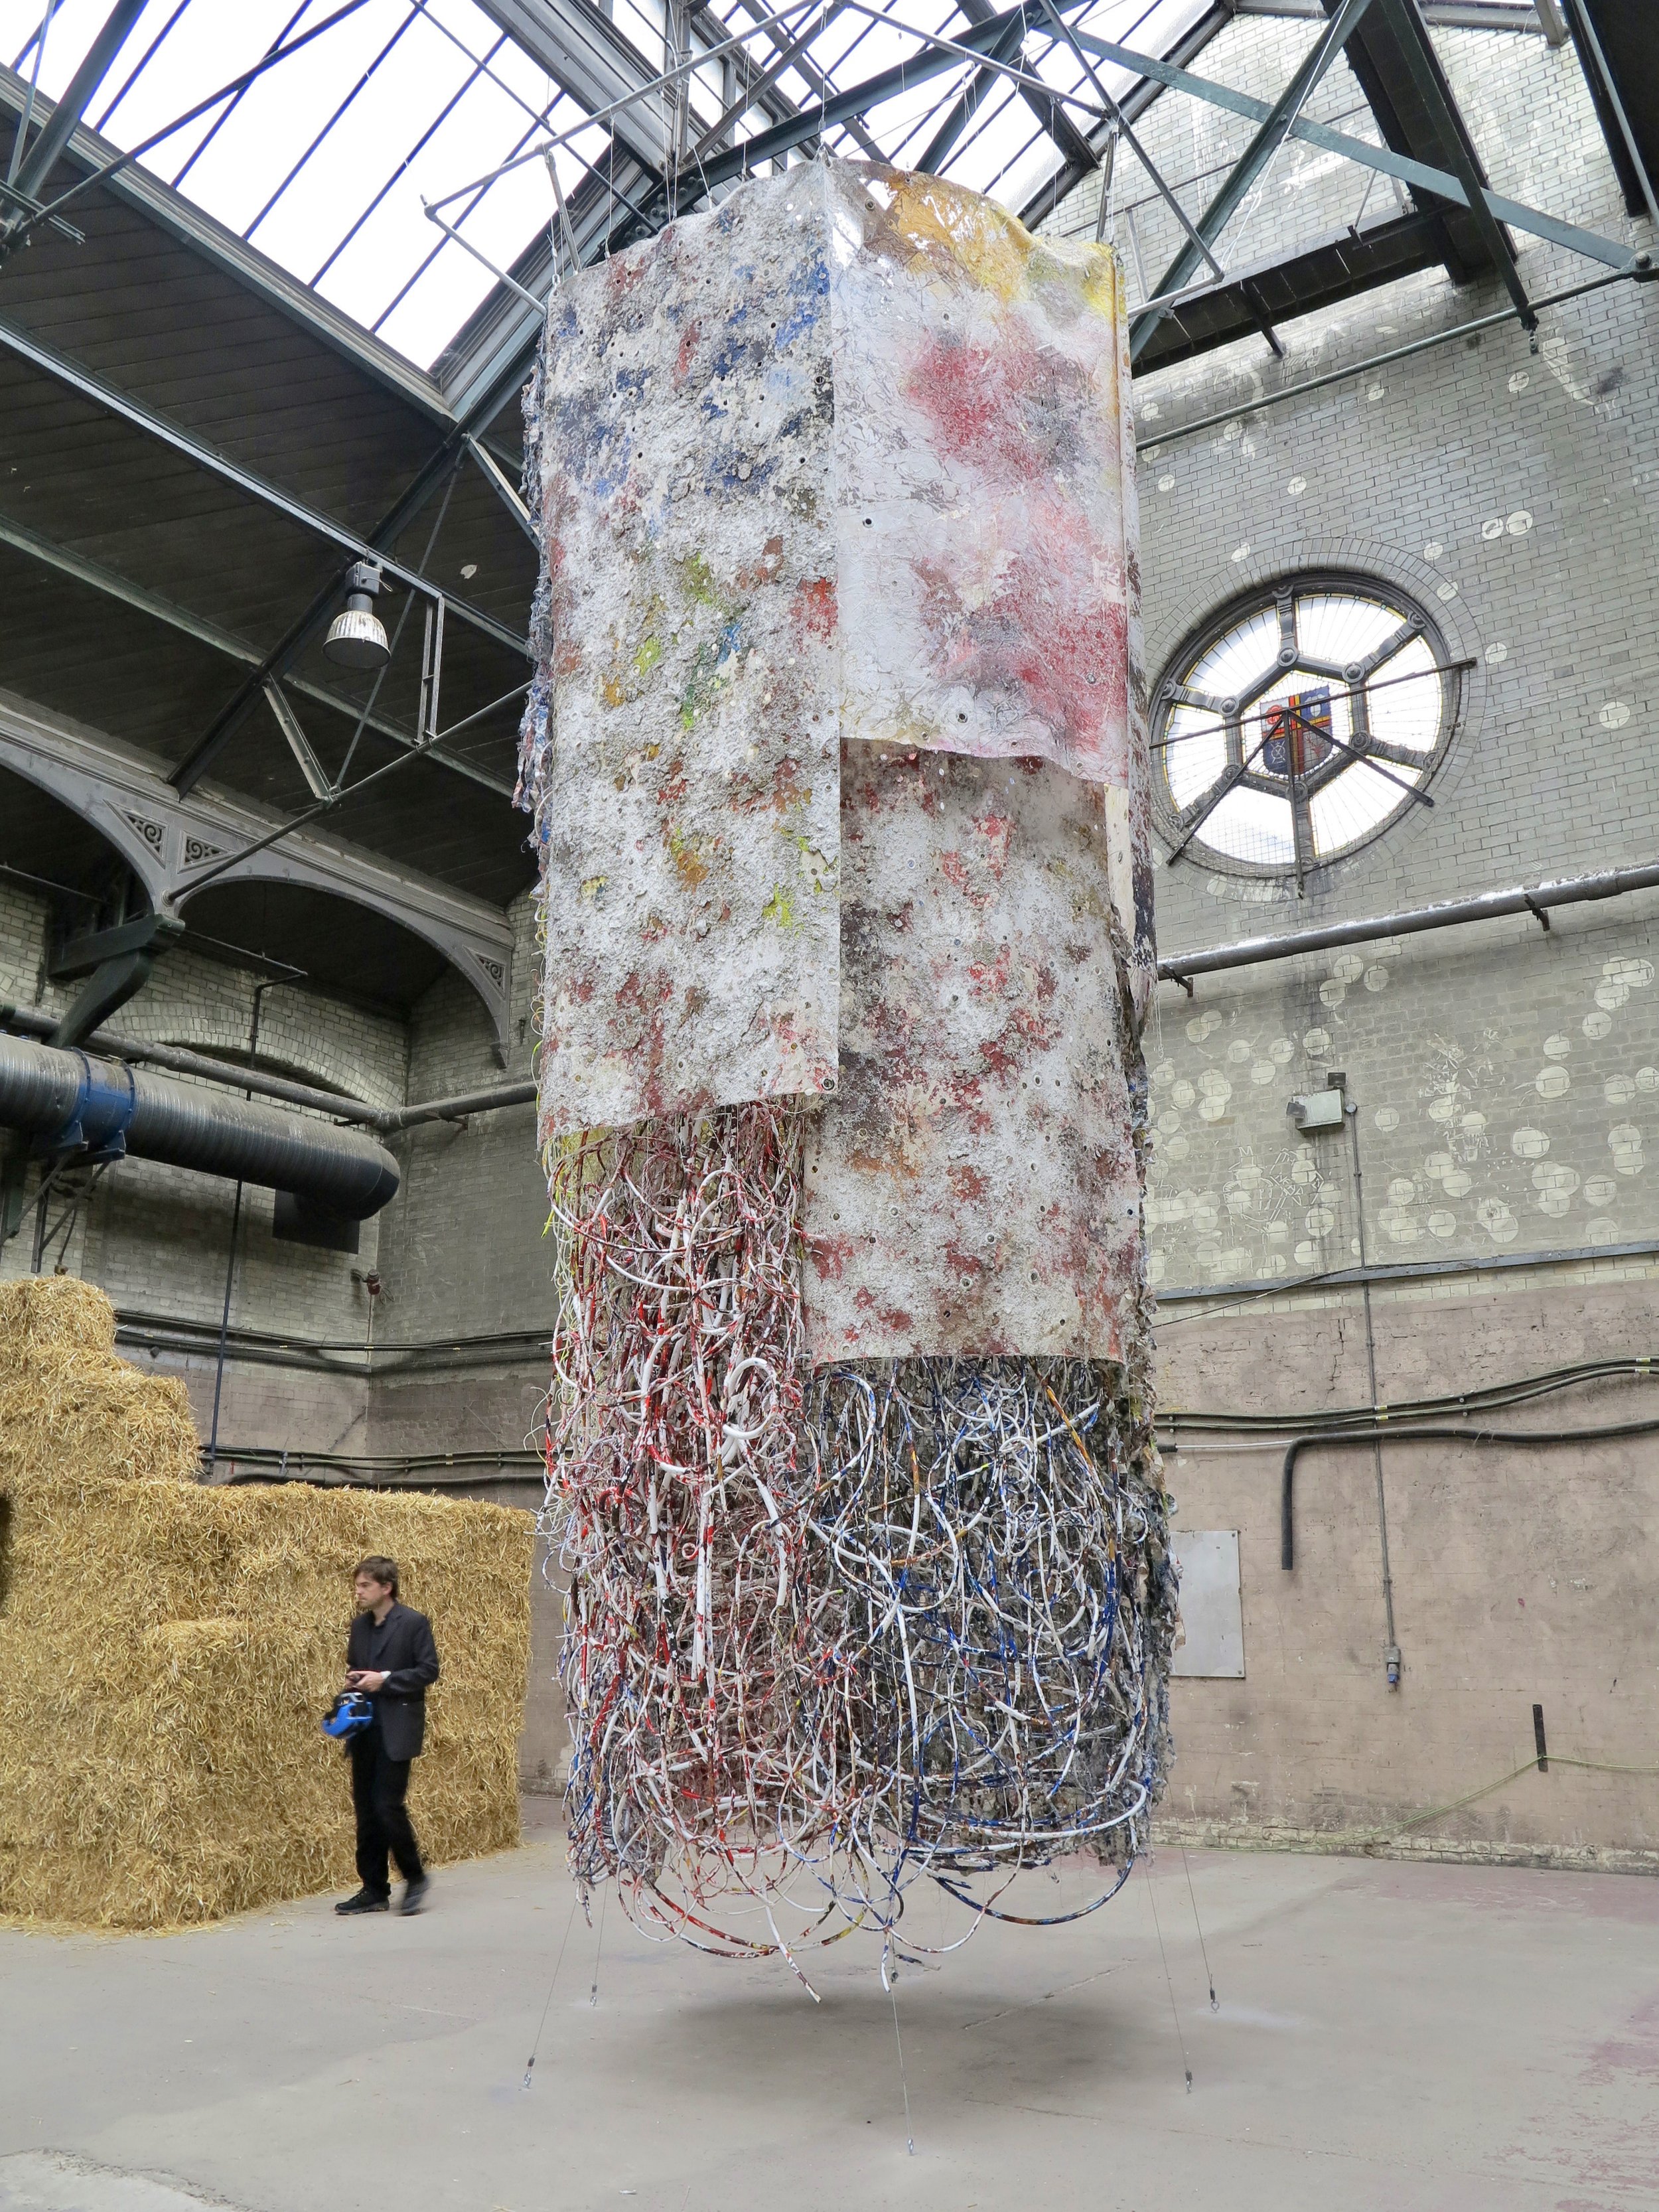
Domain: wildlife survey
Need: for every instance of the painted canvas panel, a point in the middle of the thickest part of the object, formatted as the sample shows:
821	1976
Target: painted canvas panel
685	790
986	516
986	562
974	1187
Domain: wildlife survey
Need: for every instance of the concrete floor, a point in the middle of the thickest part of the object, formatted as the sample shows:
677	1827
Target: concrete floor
1396	2037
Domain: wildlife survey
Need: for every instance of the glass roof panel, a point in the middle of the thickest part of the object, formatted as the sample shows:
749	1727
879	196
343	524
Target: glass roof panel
325	160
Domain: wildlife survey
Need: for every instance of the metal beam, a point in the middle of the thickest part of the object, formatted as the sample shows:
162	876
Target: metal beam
966	105
194	228
18	341
1429	80
1268	139
1138	98
979	39
1325	269
1443	15
508	492
592	62
1611	253
277	662
299	745
802	62
1642	271
41	158
1071	141
1629	32
113	586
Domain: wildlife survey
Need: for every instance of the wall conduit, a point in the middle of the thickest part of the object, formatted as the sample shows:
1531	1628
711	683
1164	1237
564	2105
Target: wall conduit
1389	1433
1452	913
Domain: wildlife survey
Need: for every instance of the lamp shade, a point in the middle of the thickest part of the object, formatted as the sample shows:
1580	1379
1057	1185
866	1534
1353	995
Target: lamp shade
356	636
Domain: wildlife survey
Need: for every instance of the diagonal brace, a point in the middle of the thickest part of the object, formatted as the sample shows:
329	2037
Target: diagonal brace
1408	28
1282	118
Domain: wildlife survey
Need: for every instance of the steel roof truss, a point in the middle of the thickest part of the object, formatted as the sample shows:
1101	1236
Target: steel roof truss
1280	121
98	578
1409	171
1433	91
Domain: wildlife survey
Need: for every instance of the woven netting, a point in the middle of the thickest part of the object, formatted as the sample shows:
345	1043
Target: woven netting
827	1634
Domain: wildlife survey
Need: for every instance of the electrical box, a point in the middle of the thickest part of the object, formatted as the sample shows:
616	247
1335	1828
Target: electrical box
1317	1109
1211	1608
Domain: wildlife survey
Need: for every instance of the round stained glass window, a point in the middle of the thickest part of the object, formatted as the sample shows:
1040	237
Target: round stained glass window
1301	723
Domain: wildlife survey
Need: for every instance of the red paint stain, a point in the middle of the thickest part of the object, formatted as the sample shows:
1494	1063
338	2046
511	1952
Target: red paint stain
829	1255
814	609
987	402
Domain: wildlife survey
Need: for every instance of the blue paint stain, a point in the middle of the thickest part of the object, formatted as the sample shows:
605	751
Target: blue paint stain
809	288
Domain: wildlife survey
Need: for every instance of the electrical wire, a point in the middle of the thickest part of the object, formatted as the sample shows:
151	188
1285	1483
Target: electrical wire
826	1635
1177	1421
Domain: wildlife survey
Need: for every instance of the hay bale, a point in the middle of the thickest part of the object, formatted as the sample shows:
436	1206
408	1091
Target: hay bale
68	1403
166	1650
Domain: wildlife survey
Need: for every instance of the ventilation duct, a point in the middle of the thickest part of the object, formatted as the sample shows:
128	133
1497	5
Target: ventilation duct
69	1101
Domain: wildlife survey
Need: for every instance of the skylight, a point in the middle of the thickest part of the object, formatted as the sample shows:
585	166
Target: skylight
323	162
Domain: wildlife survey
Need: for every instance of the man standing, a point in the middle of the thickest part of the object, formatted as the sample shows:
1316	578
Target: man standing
390	1657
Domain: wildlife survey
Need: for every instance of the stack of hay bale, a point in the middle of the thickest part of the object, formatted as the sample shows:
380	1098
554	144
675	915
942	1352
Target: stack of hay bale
167	1649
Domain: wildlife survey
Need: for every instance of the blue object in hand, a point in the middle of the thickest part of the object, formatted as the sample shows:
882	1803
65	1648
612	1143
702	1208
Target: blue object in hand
349	1715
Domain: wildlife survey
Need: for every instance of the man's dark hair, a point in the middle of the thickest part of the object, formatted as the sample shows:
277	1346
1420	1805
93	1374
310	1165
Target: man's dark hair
382	1571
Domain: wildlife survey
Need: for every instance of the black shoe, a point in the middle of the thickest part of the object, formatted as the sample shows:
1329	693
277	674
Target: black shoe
364	1901
415	1894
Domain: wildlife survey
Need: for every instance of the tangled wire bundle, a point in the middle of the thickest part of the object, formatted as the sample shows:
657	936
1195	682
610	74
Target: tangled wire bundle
678	1366
1002	1608
827	1635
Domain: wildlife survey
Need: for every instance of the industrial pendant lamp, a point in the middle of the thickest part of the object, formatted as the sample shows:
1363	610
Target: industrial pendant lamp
356	636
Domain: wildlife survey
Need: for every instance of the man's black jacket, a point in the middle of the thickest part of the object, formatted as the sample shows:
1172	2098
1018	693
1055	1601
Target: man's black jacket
402	1649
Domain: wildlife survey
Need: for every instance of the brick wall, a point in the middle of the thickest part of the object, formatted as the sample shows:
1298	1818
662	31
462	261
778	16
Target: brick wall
1506	1080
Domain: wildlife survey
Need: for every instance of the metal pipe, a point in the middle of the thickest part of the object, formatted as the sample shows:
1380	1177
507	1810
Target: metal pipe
1453	914
339	1473
387	1121
1248	952
456	1109
68	1099
1640	271
1391	1648
1408	1271
176	1061
1436	1434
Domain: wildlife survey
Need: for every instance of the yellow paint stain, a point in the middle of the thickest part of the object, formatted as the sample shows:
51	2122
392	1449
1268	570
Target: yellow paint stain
993	249
593	885
688	867
697	579
780	909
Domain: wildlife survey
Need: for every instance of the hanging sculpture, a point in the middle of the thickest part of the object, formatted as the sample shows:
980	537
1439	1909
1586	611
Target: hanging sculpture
839	780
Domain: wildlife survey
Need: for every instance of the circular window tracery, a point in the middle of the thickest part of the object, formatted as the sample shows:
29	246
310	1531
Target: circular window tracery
1302	722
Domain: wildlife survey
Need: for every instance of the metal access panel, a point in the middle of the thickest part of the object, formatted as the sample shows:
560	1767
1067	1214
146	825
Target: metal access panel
1212	1611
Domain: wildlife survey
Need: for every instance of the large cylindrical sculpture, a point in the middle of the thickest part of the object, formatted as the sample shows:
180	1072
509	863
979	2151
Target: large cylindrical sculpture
838	770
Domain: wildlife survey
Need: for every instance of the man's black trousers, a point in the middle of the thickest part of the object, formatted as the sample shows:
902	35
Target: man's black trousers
378	1786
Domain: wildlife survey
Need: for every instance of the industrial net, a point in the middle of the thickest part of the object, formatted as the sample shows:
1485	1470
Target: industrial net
828	1635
